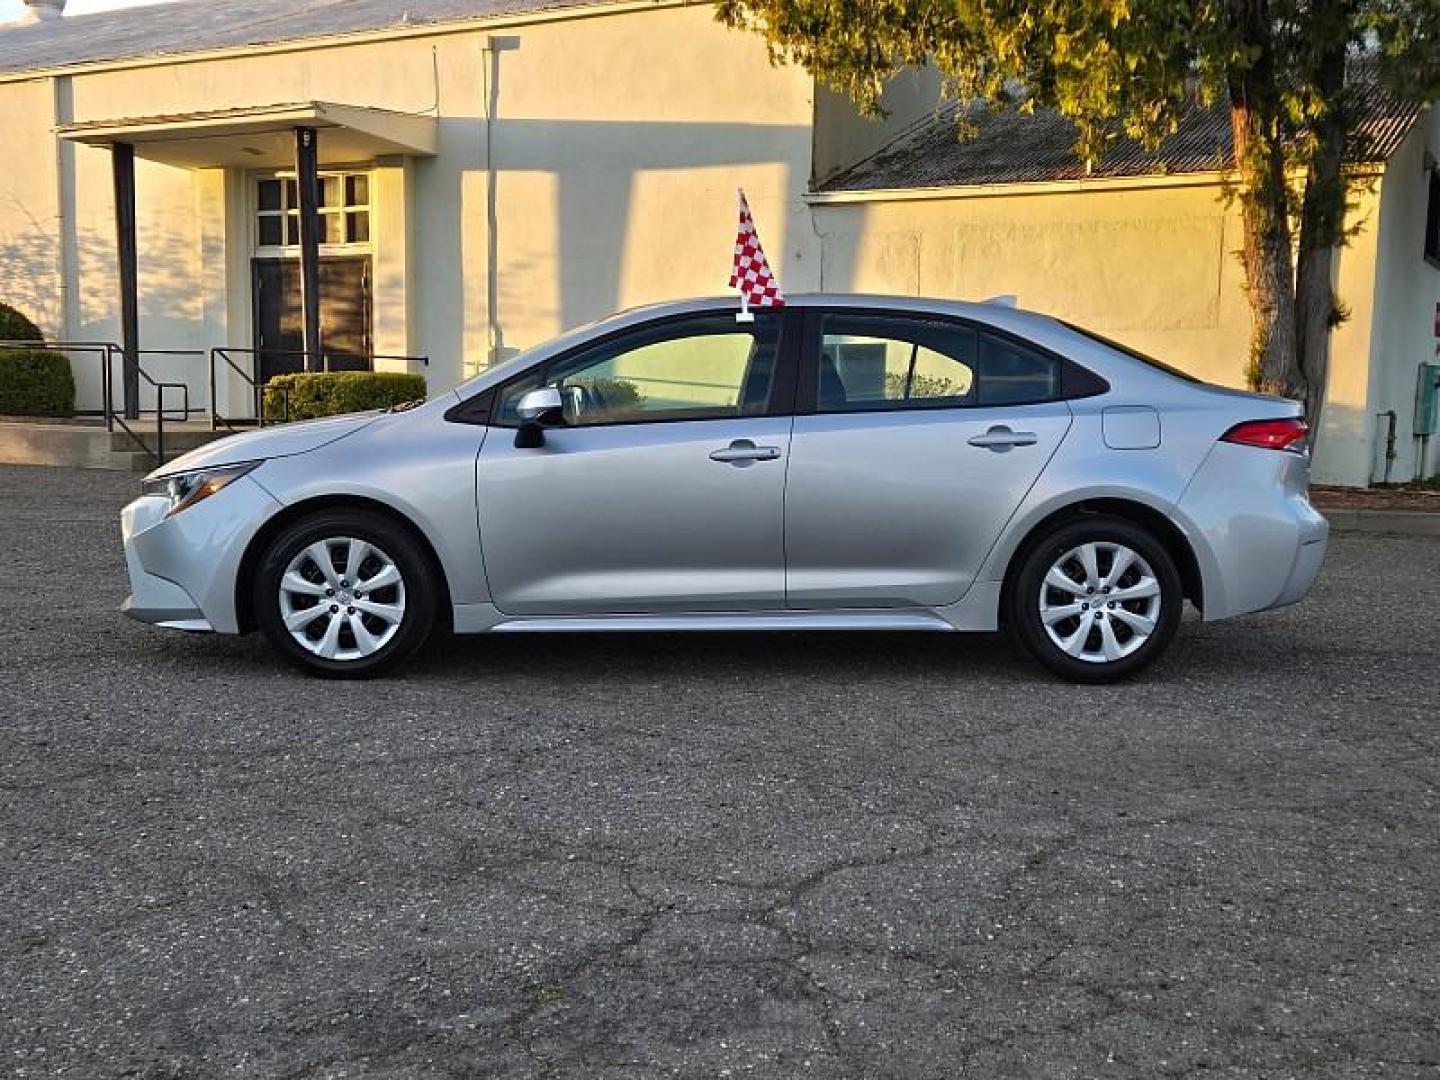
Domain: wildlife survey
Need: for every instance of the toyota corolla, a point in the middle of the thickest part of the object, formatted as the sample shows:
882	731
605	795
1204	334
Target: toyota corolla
842	463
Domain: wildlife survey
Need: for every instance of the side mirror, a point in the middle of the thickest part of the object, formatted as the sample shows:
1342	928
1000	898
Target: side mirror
543	405
536	409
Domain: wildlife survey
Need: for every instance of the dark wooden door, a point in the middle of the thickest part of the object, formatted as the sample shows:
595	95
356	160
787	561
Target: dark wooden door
345	306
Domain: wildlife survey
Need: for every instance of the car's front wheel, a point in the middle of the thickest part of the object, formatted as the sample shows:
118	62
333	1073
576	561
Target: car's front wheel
1097	600
345	594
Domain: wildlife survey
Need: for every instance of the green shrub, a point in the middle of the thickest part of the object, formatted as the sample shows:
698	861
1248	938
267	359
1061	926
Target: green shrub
331	393
16	327
34	382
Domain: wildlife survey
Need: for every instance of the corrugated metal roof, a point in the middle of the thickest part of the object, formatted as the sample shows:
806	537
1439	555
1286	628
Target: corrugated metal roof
202	25
1012	148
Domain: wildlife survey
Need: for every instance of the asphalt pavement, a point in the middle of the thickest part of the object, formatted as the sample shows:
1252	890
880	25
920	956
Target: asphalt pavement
707	856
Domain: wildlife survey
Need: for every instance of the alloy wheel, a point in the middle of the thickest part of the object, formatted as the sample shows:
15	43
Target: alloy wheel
1100	602
342	598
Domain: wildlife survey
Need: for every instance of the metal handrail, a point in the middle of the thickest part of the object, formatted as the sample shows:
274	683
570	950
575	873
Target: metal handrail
100	350
259	389
256	388
160	388
106	351
325	356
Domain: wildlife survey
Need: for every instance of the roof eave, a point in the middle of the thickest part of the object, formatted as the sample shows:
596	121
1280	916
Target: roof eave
362	37
1212	178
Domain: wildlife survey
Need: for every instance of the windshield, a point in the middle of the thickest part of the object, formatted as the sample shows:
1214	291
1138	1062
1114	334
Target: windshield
520	361
1128	351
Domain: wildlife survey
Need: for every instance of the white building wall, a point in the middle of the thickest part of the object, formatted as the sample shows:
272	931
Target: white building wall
614	145
31	221
1407	290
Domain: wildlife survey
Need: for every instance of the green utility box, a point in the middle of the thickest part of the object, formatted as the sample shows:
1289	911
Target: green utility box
1427	399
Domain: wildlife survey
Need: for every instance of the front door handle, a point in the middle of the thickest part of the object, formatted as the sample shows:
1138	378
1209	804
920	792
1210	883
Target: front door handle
1000	438
743	451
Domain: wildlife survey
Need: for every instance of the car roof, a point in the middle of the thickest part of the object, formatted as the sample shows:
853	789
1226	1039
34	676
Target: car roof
1000	312
976	308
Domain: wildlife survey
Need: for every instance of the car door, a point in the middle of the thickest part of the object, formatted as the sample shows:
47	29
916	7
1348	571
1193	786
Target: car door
914	442
662	490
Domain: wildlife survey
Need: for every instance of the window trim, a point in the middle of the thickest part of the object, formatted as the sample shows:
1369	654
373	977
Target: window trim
254	177
807	390
782	385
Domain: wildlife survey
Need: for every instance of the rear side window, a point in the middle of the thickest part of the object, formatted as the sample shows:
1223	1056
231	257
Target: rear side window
878	363
870	362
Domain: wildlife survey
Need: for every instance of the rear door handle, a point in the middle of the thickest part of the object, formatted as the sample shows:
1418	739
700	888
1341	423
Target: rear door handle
743	451
1000	438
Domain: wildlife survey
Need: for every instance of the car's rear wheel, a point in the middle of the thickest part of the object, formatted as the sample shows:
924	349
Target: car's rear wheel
1097	600
345	594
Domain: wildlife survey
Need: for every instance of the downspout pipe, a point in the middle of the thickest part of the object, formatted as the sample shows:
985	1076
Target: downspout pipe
60	112
494	337
492	248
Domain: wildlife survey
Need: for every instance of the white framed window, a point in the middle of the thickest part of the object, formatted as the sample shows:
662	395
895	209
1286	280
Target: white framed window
344	205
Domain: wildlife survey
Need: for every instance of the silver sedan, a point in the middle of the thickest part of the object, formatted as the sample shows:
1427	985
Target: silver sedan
843	463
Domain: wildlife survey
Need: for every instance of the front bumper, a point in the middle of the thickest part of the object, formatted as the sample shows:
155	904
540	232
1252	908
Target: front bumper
183	569
153	599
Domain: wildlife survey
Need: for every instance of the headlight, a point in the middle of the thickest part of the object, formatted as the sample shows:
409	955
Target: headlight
188	488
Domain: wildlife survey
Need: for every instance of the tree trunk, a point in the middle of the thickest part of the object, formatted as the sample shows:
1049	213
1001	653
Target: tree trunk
1314	318
1264	204
1322	227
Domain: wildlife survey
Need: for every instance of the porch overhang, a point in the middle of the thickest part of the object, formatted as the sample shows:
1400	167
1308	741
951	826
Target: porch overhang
263	136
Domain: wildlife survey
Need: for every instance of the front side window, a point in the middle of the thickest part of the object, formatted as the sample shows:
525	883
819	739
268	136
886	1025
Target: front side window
869	363
705	368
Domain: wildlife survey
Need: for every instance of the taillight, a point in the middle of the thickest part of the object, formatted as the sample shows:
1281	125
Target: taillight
1269	434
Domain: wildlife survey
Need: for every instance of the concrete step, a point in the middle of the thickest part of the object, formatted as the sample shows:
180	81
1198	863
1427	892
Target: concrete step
90	446
177	439
136	461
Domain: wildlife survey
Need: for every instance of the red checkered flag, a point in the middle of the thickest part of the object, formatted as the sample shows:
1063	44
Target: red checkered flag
751	273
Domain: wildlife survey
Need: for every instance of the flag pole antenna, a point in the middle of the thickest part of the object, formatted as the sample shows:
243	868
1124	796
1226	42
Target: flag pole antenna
751	273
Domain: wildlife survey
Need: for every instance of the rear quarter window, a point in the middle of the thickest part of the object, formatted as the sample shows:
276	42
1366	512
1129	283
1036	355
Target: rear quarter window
1013	374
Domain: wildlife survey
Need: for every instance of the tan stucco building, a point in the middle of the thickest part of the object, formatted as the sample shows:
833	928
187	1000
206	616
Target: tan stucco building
495	171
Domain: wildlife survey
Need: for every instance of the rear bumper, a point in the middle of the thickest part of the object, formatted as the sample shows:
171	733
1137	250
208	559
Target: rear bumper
1259	542
1304	573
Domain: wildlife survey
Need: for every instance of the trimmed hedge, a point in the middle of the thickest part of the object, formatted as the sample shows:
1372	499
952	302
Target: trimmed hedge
16	327
331	393
34	382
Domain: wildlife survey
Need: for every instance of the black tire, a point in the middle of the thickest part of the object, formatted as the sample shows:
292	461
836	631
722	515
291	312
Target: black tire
404	550
1039	557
